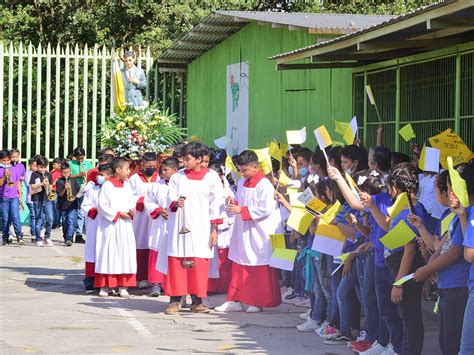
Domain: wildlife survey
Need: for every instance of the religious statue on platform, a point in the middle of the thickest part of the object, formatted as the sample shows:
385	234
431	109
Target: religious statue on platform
133	79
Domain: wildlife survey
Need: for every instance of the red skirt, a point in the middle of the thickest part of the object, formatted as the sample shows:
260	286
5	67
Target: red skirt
221	285
90	269
180	281
142	264
122	280
255	285
154	276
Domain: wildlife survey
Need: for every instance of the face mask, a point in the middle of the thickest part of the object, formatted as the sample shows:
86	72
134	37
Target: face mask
100	180
350	171
303	171
14	163
148	172
2	165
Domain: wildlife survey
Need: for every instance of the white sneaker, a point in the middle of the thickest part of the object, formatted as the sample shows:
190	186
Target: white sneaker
388	350
375	349
305	315
104	292
230	306
49	242
40	243
287	292
123	292
143	284
310	326
253	309
302	302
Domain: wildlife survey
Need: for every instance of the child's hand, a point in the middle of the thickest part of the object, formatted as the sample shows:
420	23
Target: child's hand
366	199
279	197
456	206
415	220
213	237
346	269
292	161
397	295
164	214
416	149
132	212
233	209
334	173
181	202
363	248
380	128
422	274
124	215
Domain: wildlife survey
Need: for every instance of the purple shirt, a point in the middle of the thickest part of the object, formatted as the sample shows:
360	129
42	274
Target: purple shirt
7	191
18	167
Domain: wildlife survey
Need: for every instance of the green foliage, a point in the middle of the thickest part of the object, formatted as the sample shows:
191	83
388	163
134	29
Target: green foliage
150	22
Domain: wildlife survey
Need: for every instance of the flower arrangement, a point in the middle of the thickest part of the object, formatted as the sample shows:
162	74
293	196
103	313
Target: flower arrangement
134	131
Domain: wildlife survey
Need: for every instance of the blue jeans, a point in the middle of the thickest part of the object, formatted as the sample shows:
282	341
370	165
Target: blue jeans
326	288
57	213
374	325
467	339
68	218
452	304
388	310
81	217
43	208
10	213
349	307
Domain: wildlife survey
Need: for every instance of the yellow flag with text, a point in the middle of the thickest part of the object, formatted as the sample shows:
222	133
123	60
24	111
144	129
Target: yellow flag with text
118	87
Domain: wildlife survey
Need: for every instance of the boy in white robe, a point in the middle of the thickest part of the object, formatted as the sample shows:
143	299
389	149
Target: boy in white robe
116	262
195	194
253	281
140	183
156	206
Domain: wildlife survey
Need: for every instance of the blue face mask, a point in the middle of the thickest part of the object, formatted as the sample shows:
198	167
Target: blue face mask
302	172
2	165
100	180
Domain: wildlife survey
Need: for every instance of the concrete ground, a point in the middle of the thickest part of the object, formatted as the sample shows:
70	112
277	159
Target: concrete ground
44	309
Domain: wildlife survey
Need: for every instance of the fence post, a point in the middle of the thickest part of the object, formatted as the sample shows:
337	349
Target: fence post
57	101
84	96
103	88
29	93
38	98
1	93
76	97
457	95
94	106
19	133
66	101
47	129
10	97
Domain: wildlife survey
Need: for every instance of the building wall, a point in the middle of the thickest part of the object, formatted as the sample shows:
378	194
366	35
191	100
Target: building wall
278	100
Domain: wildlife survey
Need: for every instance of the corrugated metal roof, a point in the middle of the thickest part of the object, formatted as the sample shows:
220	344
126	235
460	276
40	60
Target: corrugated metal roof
219	25
374	27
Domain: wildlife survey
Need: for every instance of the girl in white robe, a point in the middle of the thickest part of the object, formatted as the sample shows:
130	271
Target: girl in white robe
116	263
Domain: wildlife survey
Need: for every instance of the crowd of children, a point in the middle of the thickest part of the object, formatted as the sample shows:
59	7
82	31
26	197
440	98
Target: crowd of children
199	222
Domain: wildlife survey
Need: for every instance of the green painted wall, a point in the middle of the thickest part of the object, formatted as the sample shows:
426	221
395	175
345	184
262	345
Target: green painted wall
273	106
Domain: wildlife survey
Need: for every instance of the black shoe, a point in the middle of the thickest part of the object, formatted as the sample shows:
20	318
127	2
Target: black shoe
5	242
79	239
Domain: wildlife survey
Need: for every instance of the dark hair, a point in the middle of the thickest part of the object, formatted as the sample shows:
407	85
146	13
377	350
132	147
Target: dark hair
171	162
64	166
305	153
467	173
442	181
354	152
78	151
69	156
4	154
369	181
248	157
105	167
31	161
42	161
236	160
382	157
218	156
58	161
195	149
398	158
149	156
334	153
105	150
14	150
117	163
319	159
336	192
404	178
320	189
217	168
178	150
275	165
105	158
129	53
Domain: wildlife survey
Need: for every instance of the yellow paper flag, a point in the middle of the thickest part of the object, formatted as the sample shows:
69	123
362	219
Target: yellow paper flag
407	132
340	127
343	257
290	190
429	159
299	220
330	231
398	206
323	137
398	236
458	184
277	241
351	131
284	149
296	137
446	222
370	94
264	160
275	151
283	180
403	280
450	144
285	254
331	212
229	165
316	205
